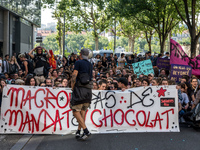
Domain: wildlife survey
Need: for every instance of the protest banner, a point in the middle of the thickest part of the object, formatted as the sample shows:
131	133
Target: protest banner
163	63
177	71
143	67
42	110
178	56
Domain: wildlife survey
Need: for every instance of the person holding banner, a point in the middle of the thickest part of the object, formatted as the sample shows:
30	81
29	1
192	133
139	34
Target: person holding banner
82	92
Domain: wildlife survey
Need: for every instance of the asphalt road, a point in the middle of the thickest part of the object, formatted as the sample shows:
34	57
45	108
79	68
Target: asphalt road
187	139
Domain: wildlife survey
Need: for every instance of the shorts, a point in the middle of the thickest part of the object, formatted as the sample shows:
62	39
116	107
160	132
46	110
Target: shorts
80	107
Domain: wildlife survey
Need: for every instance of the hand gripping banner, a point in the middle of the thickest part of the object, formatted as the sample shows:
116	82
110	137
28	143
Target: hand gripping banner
41	110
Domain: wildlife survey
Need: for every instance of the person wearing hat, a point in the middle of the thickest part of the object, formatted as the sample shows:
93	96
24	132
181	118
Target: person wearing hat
123	83
82	92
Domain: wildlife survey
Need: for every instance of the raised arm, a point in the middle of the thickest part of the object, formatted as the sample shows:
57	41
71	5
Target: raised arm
48	54
30	53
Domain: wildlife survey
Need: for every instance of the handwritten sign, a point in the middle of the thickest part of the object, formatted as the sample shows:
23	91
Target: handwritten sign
40	110
163	63
177	71
178	56
143	67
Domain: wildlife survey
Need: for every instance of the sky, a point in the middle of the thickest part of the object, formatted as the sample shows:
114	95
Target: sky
46	16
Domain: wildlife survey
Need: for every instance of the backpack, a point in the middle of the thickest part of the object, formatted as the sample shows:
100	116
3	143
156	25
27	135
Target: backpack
85	77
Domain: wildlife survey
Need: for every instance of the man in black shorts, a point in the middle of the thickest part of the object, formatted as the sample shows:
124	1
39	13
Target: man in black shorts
82	92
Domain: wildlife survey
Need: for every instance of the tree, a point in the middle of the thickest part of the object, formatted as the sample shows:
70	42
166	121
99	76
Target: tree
158	14
185	41
189	11
110	44
90	14
50	43
148	32
57	15
123	42
75	42
129	28
103	42
89	43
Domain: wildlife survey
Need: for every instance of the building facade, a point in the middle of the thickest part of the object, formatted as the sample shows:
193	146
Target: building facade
18	20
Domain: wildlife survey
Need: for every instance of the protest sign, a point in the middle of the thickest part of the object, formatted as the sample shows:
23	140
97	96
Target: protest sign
143	67
163	63
178	56
40	110
177	71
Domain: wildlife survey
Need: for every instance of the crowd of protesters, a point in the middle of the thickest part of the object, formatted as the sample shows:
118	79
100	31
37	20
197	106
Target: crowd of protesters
109	73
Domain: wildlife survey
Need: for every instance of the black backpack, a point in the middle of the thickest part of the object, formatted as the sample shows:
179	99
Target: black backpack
85	77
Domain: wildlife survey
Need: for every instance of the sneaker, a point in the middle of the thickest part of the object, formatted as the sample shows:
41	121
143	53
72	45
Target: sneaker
85	136
78	135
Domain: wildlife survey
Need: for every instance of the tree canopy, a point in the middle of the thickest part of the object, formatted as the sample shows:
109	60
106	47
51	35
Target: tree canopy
136	19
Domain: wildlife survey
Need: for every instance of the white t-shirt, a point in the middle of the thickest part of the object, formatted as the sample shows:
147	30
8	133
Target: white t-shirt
121	59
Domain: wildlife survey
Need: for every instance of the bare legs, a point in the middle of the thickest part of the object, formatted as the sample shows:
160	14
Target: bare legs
80	116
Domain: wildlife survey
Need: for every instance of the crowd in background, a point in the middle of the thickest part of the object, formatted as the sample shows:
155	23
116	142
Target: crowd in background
109	73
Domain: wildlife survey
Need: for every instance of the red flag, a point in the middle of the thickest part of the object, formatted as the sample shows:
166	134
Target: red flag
52	61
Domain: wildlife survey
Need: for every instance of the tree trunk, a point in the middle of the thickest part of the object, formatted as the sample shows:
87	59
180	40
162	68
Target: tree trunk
193	46
60	41
129	43
148	38
132	44
169	40
162	47
149	44
96	43
162	42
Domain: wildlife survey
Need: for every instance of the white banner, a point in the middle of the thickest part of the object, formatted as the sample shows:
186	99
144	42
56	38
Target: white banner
41	110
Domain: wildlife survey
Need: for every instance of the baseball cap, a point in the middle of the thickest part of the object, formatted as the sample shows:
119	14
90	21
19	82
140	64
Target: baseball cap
85	53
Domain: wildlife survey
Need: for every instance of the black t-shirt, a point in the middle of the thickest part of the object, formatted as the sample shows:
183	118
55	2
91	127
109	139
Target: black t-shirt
129	61
29	65
99	67
104	63
71	62
13	68
83	66
40	61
